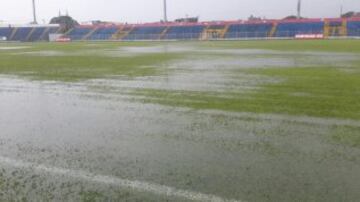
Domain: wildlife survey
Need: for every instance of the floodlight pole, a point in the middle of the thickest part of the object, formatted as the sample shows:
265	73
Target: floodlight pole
165	11
34	12
299	9
341	11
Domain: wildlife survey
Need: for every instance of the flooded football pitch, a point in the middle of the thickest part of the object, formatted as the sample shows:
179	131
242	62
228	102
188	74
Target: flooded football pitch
210	121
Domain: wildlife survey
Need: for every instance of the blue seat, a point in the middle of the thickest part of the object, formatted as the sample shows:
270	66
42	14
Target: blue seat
37	33
21	34
249	30
5	32
353	28
291	29
103	33
79	33
145	33
187	32
335	23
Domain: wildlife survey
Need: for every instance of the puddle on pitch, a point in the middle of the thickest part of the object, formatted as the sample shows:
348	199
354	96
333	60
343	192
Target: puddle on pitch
12	47
69	127
48	53
95	126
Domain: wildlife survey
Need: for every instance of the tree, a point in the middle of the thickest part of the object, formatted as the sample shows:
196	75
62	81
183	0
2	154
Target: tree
253	18
66	22
292	17
348	14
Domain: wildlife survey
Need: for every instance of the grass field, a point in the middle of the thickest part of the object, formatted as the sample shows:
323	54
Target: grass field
210	121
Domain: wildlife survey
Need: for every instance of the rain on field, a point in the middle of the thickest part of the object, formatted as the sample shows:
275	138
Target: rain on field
180	121
179	100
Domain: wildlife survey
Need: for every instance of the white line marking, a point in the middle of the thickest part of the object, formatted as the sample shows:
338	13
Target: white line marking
110	180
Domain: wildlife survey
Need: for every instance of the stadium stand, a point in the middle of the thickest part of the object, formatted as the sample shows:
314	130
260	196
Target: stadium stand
145	33
256	30
188	32
21	34
335	28
217	26
28	33
353	28
6	32
47	32
36	34
123	32
103	33
214	31
78	33
292	28
346	27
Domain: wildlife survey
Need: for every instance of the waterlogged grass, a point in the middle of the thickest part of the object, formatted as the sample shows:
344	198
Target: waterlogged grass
349	136
74	46
350	46
313	91
324	92
320	92
22	185
295	155
74	67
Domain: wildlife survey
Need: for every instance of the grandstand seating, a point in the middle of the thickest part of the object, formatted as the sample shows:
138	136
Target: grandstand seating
6	32
259	30
51	30
215	31
79	33
353	28
27	33
217	26
103	33
335	28
145	33
290	29
332	27
335	23
36	34
184	32
21	34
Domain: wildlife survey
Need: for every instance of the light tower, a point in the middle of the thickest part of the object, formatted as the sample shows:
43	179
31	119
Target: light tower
34	12
341	10
165	11
299	9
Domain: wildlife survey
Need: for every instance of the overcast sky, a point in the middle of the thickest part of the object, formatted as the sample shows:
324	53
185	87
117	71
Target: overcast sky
137	11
